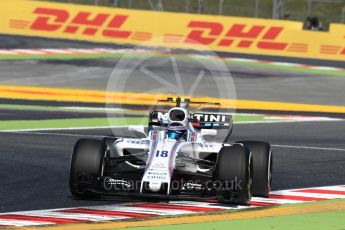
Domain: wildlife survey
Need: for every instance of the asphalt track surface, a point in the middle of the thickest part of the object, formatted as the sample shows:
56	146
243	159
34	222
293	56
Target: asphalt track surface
34	166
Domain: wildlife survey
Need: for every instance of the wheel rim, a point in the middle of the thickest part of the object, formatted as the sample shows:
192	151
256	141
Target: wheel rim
106	152
269	171
250	181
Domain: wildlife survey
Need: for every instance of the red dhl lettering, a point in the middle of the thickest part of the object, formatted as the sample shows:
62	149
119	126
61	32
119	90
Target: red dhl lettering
208	33
116	22
214	30
85	23
85	19
343	52
50	19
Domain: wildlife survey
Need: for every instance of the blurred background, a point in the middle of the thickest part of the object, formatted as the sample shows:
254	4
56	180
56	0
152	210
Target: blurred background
322	12
57	60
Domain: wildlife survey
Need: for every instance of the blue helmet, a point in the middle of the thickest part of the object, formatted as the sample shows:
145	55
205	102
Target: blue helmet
176	131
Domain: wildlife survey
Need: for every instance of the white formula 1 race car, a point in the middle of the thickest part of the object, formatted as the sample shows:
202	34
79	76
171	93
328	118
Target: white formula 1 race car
173	159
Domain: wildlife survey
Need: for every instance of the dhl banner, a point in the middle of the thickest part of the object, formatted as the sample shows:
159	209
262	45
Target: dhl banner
172	30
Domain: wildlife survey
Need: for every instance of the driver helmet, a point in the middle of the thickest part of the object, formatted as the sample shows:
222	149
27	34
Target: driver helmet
176	131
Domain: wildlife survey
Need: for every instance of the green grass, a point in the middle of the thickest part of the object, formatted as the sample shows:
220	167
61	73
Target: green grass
90	122
68	123
296	9
326	220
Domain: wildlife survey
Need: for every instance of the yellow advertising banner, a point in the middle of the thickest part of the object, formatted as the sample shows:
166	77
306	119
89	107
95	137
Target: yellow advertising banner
172	30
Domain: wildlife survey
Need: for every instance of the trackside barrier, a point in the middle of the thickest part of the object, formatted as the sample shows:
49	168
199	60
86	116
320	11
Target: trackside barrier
172	30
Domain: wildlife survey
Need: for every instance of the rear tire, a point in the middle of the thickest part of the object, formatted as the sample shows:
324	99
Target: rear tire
233	167
262	167
86	167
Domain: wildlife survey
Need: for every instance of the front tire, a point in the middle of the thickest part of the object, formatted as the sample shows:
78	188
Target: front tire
86	167
262	167
233	167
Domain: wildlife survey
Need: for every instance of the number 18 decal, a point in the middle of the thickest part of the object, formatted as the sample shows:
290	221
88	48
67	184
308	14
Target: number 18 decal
163	153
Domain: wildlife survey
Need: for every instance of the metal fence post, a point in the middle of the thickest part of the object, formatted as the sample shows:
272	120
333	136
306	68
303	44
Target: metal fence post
257	6
277	9
310	2
151	4
187	6
220	9
200	6
160	6
274	7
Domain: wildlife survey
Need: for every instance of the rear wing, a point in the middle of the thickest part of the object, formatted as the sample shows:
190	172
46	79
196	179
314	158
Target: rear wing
211	121
198	120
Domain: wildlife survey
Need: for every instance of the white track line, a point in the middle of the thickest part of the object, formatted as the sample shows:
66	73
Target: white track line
11	52
56	51
76	216
276	200
206	205
28	51
308	147
333	188
133	209
308	194
20	223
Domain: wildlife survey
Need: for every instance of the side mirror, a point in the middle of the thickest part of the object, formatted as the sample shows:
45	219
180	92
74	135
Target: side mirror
137	128
208	132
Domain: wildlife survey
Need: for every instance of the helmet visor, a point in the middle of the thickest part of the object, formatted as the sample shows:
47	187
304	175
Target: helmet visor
174	134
